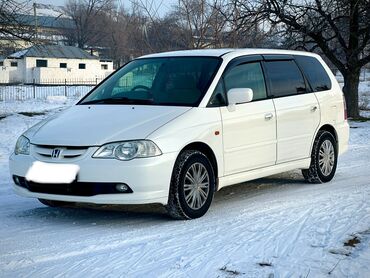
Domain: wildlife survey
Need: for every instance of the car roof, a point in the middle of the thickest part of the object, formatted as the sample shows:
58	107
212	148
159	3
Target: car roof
235	52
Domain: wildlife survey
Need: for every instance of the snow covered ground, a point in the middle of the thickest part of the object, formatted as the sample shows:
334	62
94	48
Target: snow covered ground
17	93
273	227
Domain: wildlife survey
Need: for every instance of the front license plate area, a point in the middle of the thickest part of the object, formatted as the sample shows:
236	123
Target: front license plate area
58	173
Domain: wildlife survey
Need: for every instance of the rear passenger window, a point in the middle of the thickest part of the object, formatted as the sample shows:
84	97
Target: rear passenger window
315	73
247	76
285	78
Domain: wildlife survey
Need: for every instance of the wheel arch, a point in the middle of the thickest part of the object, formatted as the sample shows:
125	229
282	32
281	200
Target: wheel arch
328	128
209	153
331	129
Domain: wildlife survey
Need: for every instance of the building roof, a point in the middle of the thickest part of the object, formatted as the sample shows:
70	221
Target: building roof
224	51
53	51
42	21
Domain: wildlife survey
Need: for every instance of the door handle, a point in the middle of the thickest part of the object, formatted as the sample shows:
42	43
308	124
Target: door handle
313	108
268	116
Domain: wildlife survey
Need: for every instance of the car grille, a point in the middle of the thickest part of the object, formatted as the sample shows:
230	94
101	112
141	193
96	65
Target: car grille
58	152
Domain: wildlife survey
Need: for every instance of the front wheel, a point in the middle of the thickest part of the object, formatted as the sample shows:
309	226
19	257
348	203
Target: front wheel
323	159
192	186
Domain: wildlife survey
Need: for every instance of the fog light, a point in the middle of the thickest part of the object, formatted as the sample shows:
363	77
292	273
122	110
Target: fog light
122	187
16	180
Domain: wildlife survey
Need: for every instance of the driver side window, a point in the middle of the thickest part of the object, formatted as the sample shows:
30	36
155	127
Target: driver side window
138	79
247	75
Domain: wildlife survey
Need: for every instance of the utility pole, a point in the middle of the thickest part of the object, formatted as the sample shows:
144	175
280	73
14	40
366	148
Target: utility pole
35	15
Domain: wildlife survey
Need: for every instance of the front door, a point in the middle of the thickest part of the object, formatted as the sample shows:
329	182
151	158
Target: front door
249	131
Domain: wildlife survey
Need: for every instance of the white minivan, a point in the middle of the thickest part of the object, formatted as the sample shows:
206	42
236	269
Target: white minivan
173	128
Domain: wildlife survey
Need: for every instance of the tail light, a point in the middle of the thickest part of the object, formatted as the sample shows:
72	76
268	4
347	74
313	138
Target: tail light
345	108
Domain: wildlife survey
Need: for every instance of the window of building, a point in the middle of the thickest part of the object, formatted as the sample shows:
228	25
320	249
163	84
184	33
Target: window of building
82	66
315	73
104	66
41	63
285	78
63	65
248	75
14	64
1	64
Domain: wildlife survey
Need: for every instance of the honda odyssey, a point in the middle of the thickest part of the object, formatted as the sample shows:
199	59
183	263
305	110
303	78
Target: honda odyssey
173	128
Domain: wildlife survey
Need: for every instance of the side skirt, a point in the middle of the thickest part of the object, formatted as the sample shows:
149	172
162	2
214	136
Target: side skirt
263	172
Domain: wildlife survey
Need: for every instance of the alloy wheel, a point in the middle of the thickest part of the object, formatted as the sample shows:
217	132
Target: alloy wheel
196	186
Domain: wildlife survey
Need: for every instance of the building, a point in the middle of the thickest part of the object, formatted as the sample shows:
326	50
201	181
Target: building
43	64
46	24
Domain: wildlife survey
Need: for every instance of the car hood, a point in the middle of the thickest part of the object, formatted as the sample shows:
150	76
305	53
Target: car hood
83	125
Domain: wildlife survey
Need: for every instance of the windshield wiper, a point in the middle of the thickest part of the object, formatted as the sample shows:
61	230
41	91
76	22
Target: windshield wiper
120	100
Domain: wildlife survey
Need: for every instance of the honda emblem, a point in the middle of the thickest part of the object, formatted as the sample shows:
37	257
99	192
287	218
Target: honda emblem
56	153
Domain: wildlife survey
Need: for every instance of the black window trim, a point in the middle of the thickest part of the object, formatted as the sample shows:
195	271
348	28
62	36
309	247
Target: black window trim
309	88
262	59
241	60
209	105
306	79
277	58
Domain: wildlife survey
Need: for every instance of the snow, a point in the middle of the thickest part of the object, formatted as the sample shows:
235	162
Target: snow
30	92
277	226
57	99
19	54
35	105
364	95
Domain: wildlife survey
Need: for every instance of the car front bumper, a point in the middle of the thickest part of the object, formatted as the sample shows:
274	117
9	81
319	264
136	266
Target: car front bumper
149	178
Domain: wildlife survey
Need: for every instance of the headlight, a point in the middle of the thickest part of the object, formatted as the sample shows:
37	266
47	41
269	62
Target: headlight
128	150
22	146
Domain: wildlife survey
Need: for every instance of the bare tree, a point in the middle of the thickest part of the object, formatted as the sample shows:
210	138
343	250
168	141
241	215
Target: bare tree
189	24
245	30
126	39
340	29
151	24
87	16
13	19
203	21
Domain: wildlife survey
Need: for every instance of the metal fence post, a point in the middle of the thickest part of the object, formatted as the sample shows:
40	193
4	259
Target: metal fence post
364	74
65	87
96	81
34	88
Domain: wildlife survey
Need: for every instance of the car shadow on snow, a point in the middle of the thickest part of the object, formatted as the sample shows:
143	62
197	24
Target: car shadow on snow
271	184
91	214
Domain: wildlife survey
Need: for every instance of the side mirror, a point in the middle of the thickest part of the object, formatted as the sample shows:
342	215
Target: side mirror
239	95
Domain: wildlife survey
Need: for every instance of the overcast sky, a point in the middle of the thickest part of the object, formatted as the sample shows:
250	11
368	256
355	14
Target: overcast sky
165	4
53	2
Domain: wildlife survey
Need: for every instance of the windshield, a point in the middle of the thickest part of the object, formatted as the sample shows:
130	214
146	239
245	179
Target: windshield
177	81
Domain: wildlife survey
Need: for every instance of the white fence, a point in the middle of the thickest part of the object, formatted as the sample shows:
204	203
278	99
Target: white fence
70	88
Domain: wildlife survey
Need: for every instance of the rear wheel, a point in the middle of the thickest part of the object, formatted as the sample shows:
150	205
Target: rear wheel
323	159
192	186
52	203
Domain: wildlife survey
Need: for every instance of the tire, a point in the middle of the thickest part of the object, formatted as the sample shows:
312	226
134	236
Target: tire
186	186
54	204
324	145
